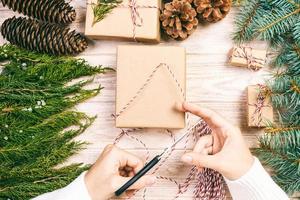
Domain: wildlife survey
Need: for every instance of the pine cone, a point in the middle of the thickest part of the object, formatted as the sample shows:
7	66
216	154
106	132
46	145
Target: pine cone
56	11
178	19
42	36
212	10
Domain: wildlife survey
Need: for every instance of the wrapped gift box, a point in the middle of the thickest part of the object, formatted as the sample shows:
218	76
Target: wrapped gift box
150	81
119	23
260	111
247	57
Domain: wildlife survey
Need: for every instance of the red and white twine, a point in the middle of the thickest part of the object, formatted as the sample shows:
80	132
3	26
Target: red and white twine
209	183
253	63
137	20
256	117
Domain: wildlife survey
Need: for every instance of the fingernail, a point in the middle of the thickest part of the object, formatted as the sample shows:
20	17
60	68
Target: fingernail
178	106
150	181
187	159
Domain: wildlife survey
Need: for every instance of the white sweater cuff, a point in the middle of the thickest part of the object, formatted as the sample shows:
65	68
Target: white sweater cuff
256	184
76	190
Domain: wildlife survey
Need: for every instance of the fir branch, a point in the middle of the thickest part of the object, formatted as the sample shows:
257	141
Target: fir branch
282	138
289	117
272	130
244	21
295	87
285	167
102	8
278	41
282	155
296	33
284	4
285	95
36	120
277	22
289	57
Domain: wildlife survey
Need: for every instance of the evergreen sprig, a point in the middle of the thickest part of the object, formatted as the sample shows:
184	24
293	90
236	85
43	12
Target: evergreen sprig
102	8
289	57
266	20
244	21
296	32
283	159
37	124
276	21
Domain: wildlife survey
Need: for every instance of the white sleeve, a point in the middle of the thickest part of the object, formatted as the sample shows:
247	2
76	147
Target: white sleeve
256	184
74	191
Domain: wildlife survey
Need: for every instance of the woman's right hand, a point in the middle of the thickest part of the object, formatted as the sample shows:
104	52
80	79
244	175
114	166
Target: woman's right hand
224	150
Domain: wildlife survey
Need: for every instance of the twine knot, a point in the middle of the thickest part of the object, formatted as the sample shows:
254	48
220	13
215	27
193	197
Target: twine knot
259	105
137	20
253	63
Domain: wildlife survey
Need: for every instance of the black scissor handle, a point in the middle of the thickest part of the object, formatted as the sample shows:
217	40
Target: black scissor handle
138	175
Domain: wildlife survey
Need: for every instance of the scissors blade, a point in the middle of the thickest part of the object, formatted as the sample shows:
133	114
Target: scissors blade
179	139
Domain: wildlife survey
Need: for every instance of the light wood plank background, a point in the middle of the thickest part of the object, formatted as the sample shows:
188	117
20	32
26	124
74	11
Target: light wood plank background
211	82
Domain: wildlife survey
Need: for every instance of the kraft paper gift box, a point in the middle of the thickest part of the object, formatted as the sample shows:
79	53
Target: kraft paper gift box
150	81
247	57
119	23
260	111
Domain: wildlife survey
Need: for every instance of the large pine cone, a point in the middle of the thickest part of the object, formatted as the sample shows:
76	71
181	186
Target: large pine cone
42	36
212	10
179	19
56	11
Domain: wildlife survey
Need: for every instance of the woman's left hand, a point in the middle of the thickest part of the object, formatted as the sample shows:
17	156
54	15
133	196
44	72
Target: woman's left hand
113	169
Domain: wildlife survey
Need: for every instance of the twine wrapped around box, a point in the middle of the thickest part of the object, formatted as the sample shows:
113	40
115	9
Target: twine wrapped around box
243	56
116	24
260	111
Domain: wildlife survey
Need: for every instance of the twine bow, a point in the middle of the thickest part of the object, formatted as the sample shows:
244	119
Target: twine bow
253	63
136	18
259	105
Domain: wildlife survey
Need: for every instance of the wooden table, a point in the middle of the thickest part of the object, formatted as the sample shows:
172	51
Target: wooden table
211	82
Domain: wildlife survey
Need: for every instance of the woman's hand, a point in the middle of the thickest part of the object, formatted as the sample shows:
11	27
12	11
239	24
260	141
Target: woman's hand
113	169
224	150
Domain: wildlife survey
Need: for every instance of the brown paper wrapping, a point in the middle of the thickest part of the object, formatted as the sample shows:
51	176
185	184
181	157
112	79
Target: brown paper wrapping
240	56
266	111
118	23
155	107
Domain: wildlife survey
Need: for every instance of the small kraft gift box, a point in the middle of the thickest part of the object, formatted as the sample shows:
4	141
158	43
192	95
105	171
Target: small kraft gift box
260	111
242	56
151	80
135	20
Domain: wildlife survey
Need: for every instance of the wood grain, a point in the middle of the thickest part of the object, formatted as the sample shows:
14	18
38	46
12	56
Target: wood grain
210	82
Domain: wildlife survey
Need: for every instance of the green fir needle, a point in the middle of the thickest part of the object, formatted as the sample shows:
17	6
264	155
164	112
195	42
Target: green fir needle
102	8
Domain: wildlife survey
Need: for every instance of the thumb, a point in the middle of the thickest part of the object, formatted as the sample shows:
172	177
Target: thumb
200	160
144	181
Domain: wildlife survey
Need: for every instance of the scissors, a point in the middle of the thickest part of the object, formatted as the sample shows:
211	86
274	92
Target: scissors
150	164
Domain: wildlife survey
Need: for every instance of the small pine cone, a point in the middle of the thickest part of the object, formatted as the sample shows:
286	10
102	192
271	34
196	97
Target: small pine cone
212	10
43	37
56	11
179	19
